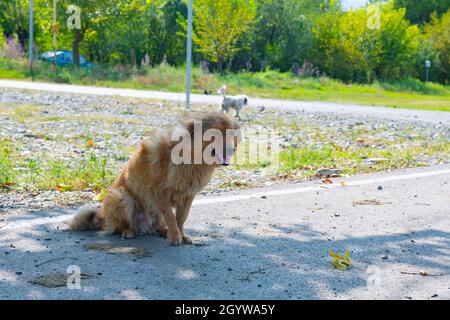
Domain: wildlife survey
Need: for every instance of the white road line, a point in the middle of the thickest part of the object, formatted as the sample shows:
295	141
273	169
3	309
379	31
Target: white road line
289	191
14	225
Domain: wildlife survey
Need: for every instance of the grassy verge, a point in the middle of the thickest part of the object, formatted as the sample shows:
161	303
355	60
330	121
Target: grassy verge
41	173
90	171
353	148
308	161
408	93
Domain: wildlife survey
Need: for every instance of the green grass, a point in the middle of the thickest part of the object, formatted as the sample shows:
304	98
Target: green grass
38	173
44	173
7	172
409	147
407	93
351	161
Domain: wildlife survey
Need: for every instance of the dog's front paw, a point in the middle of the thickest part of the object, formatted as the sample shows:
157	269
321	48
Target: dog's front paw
186	239
174	238
162	232
127	234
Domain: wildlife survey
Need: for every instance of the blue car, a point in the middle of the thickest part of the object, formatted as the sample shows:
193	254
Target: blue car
64	58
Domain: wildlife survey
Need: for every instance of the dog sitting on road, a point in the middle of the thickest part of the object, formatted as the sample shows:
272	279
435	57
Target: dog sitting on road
232	102
152	184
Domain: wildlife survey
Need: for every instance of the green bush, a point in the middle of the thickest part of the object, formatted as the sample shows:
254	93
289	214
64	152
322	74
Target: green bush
347	47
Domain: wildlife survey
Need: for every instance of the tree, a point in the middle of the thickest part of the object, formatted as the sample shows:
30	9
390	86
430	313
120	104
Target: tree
419	11
126	31
218	26
329	53
172	40
345	46
281	34
90	12
437	34
142	29
14	18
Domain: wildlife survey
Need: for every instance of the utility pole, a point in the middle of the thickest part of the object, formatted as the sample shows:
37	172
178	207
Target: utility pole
55	30
30	45
189	57
427	70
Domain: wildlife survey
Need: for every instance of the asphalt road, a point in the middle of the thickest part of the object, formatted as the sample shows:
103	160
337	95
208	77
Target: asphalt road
329	107
256	244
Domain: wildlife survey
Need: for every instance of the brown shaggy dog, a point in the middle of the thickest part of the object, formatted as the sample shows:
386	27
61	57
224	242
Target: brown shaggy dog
151	185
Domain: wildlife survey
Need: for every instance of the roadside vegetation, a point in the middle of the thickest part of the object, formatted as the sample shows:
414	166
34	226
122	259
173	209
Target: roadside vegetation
47	146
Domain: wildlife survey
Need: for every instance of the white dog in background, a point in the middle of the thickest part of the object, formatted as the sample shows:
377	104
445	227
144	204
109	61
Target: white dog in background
232	102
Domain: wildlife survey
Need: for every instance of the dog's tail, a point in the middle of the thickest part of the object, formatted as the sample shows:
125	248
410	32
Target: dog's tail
87	217
222	90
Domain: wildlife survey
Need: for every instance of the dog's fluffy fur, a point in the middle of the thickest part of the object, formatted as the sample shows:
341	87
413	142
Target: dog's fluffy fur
232	102
150	186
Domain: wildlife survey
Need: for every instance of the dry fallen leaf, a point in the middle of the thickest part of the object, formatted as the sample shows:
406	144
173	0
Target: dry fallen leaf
327	181
90	143
62	187
368	202
6	185
315	209
108	248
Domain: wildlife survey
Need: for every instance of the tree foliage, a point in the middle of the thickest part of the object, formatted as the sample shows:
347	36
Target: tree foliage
437	35
218	26
348	47
281	36
420	11
253	35
14	19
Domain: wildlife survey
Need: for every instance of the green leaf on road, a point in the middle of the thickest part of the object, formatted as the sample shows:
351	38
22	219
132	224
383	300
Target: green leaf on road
340	262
